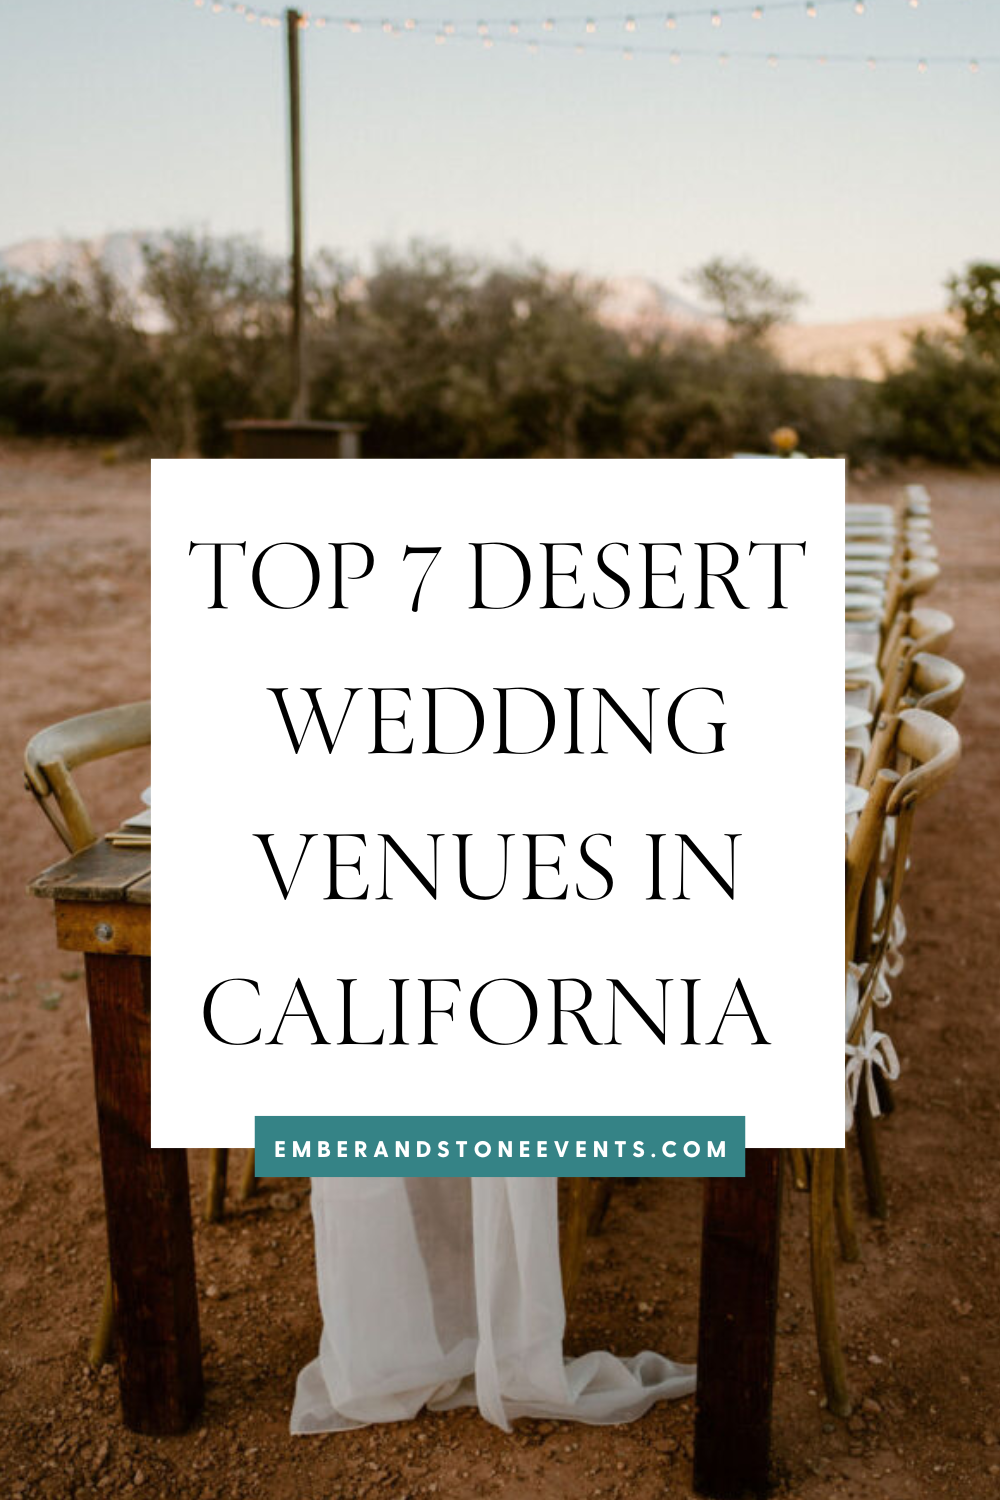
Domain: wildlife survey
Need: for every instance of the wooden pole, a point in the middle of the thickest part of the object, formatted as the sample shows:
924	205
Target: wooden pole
300	381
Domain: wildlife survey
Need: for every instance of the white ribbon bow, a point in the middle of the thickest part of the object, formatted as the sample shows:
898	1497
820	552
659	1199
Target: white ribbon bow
875	1050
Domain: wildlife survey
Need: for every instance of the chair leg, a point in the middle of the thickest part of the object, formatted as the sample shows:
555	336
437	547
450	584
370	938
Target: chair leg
574	1235
864	1129
884	1091
104	1334
248	1182
844	1210
821	1235
800	1168
215	1196
600	1197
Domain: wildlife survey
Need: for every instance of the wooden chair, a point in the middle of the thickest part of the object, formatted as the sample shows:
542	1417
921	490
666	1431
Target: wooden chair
929	748
923	680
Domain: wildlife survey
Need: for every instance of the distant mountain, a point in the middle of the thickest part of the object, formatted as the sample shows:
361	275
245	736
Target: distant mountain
637	304
866	348
120	253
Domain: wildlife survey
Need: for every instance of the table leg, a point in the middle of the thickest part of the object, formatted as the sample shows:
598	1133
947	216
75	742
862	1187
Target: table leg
739	1302
148	1210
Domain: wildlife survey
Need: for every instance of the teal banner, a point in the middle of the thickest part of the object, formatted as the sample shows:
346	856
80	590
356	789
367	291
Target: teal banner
499	1145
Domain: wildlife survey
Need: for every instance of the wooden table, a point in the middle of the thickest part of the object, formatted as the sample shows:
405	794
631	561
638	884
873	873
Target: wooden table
102	900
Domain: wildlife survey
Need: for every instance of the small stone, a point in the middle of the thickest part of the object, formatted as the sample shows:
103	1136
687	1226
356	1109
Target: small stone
870	1405
989	1438
212	1291
284	1202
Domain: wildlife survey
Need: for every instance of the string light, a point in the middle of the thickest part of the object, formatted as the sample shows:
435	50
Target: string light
440	31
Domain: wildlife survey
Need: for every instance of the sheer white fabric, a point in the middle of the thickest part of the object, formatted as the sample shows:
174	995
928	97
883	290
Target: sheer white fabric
445	1292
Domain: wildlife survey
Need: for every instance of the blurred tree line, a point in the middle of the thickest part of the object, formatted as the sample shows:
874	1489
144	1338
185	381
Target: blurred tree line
441	355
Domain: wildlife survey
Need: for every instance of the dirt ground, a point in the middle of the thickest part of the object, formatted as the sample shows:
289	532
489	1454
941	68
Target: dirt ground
921	1313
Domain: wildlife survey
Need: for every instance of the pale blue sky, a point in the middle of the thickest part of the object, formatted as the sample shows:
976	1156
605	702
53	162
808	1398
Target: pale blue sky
866	187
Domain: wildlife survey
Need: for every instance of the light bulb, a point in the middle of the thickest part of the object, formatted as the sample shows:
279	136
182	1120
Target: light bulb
513	28
811	12
590	27
716	18
922	66
675	57
671	23
630	23
548	25
628	54
756	14
973	66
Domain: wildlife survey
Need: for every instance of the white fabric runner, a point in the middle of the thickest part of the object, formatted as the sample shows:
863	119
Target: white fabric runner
446	1292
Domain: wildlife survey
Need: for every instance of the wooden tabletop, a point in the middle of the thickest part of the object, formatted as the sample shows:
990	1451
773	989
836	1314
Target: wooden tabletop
103	898
104	872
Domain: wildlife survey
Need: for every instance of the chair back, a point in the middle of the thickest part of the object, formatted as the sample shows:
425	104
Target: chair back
54	753
936	684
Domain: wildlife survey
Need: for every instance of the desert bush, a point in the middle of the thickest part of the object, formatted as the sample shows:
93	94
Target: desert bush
438	355
944	404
